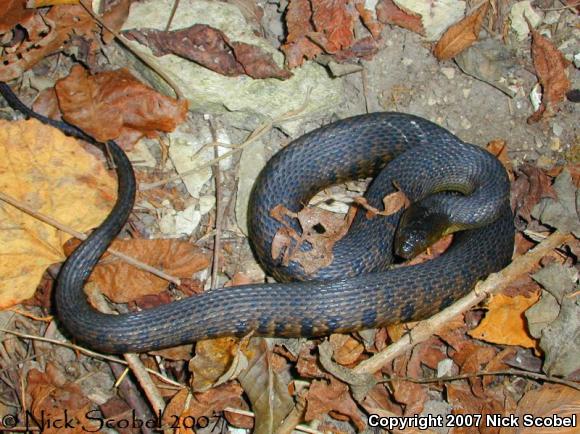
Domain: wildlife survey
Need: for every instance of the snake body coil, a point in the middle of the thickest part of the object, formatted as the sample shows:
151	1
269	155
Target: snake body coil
358	290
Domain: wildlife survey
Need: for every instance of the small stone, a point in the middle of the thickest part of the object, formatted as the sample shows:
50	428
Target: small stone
448	72
555	144
407	61
465	124
557	129
545	162
431	101
466	93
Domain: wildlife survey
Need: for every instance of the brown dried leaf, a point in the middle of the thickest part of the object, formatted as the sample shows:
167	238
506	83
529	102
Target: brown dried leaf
504	322
531	185
546	401
115	105
464	401
114	17
211	48
368	19
213	358
122	282
298	47
320	228
460	35
48	393
265	387
332	398
13	13
184	406
389	13
346	349
551	69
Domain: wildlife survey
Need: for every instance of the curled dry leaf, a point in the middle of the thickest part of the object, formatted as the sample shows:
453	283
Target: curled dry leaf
531	185
390	13
211	48
461	35
346	349
122	282
551	69
499	149
115	105
505	323
54	175
213	358
265	387
545	402
317	26
320	228
48	393
185	406
45	34
333	398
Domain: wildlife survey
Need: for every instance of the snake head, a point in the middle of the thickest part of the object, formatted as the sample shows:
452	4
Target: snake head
419	227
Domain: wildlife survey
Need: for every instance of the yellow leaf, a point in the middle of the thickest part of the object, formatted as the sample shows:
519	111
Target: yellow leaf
505	323
54	175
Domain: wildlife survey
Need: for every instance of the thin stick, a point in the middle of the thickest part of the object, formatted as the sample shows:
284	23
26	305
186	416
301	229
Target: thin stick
137	54
60	226
517	372
88	353
493	284
218	212
256	134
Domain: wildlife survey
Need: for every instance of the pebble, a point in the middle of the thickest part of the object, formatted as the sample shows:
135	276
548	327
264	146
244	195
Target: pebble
555	144
448	72
557	129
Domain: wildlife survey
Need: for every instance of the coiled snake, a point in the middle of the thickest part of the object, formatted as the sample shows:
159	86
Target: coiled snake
359	289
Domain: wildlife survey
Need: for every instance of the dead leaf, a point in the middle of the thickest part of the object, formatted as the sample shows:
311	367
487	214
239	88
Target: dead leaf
505	323
548	401
54	175
114	17
369	19
114	105
48	393
346	349
59	29
187	406
460	35
211	48
390	13
551	69
333	398
265	387
531	185
317	26
14	13
463	401
213	358
321	229
122	282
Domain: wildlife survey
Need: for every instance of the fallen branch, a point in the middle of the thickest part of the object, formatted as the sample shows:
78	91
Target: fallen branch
493	284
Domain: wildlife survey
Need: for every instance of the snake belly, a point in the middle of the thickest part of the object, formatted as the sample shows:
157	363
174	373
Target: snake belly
358	290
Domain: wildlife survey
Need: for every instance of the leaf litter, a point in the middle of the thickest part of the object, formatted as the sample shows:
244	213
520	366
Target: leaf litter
311	381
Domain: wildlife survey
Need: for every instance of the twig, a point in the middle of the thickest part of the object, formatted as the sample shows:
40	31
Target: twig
493	284
87	353
256	134
218	212
60	226
139	55
302	428
133	360
517	372
172	14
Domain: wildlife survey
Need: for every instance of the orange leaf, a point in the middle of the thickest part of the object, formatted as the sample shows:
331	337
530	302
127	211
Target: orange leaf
551	68
114	103
505	323
390	13
461	35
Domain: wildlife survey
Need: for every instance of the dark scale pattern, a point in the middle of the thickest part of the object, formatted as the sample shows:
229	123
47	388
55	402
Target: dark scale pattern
432	160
